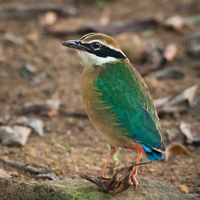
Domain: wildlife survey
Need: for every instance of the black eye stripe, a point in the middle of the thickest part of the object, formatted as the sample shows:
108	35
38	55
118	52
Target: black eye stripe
105	51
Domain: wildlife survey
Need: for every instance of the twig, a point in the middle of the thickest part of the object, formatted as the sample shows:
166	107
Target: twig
26	168
73	114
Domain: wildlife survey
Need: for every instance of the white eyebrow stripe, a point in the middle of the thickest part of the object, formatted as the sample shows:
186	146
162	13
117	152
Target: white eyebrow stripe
111	47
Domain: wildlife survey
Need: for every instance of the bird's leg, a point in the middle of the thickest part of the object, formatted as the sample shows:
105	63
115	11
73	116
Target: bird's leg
134	173
112	152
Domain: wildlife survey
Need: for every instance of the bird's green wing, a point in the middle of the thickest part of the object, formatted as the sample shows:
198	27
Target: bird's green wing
123	90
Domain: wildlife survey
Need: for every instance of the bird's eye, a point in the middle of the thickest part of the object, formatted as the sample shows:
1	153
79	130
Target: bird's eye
96	45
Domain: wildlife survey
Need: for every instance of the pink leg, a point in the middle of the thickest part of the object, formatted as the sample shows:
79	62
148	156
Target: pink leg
112	152
134	173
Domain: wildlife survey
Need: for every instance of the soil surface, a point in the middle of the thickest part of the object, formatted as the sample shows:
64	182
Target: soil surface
60	72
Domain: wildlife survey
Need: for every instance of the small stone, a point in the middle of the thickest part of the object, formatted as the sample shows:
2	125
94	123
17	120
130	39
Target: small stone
49	19
14	136
36	125
183	189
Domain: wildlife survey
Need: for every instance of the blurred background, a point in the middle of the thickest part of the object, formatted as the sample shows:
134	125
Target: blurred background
43	124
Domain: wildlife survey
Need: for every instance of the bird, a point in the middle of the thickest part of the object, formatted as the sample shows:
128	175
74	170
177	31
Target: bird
117	99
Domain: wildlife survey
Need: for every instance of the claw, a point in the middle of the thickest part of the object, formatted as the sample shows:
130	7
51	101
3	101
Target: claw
134	181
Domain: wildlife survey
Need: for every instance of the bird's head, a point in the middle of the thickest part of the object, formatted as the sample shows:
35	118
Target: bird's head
96	49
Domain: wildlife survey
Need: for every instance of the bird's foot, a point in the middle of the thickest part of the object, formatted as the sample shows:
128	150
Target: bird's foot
101	175
134	180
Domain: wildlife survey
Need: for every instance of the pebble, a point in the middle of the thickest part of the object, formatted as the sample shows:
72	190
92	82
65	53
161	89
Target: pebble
14	136
183	189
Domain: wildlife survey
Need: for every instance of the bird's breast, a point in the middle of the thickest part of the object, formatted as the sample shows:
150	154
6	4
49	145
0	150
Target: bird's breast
99	113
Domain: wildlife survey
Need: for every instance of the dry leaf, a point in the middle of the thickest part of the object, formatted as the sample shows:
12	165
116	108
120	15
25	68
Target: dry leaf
175	135
118	183
191	131
182	101
161	102
176	22
175	148
4	174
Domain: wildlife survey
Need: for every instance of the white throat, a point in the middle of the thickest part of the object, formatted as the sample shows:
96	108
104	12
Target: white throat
91	59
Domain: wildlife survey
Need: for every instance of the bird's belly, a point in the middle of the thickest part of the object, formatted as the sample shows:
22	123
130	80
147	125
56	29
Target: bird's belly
105	123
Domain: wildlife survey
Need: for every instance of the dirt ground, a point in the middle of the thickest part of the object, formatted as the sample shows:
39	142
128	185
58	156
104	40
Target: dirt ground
61	68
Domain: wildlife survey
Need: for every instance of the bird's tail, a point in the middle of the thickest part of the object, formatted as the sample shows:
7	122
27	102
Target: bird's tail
154	154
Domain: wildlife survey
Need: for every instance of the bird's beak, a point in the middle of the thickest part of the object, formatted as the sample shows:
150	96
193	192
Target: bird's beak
75	44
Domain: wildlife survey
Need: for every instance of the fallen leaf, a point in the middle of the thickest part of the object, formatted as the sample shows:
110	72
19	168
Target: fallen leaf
159	103
181	102
175	135
191	131
4	174
176	22
175	148
121	181
118	183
